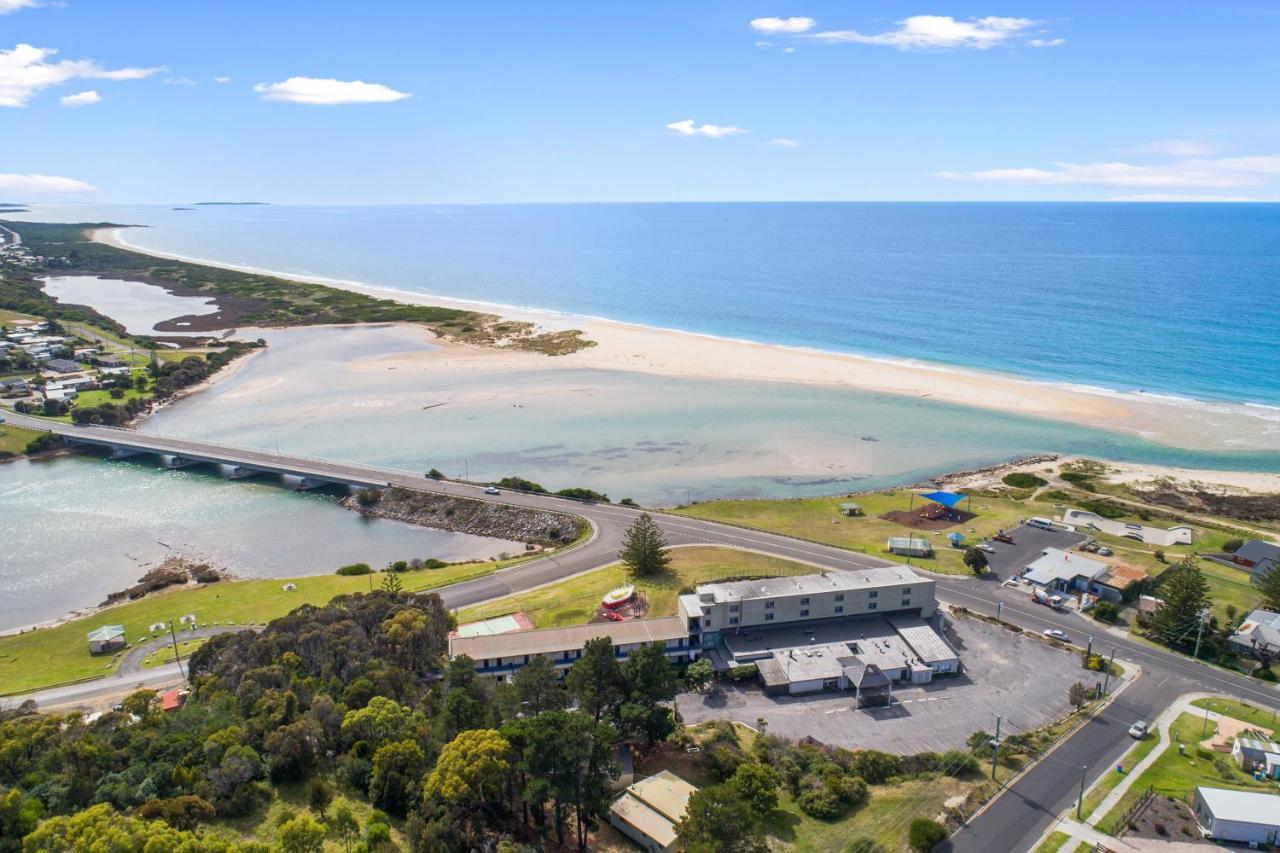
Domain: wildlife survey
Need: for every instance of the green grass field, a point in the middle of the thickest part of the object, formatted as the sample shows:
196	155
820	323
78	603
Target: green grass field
574	601
56	655
1178	775
819	519
1053	843
1229	586
1262	718
15	439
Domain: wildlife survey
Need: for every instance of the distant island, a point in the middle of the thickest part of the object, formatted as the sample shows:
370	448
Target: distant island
238	203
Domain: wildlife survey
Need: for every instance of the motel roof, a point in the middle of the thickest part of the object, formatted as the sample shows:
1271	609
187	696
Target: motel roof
665	793
833	581
550	640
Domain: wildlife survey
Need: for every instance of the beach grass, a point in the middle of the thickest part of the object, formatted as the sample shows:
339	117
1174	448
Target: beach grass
819	520
574	601
1177	775
7	316
54	655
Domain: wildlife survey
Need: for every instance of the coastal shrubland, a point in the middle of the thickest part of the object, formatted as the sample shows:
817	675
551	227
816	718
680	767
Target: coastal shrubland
246	298
341	722
465	515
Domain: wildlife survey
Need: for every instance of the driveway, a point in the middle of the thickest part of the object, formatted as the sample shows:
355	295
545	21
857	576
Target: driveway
1017	677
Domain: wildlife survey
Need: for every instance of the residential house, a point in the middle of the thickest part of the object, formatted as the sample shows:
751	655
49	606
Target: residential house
1257	755
1258	557
1243	817
1258	635
61	365
1062	571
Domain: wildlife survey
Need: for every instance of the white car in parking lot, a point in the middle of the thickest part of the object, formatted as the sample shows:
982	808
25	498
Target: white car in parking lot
985	546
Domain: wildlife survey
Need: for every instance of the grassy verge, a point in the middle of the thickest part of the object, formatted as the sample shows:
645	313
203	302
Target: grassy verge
819	519
1262	718
1229	586
1141	749
56	655
1177	774
1055	842
574	601
14	440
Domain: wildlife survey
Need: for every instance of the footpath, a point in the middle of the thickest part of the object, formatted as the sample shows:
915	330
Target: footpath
1083	832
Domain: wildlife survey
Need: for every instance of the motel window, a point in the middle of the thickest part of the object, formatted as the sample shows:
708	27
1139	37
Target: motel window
733	608
871	606
733	620
768	617
840	596
486	661
706	623
875	593
839	608
804	600
804	612
768	605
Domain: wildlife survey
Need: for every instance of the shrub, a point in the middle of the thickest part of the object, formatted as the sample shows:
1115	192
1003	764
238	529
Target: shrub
433	563
1076	478
820	802
520	484
1023	480
1265	673
42	442
1106	509
1106	611
436	474
368	497
628	502
958	763
863	845
1232	545
398	566
580	494
925	834
355	569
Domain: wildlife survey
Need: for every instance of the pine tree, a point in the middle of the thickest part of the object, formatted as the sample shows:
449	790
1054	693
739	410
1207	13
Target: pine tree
1269	585
644	548
391	582
1185	593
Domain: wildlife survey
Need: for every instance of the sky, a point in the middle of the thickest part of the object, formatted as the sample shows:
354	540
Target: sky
401	101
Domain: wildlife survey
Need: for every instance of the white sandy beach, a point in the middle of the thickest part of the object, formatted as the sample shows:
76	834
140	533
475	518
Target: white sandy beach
665	352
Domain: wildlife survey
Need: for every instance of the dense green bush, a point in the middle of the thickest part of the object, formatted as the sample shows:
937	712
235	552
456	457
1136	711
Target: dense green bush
925	834
520	484
1106	611
355	569
1023	480
1232	545
1104	508
581	494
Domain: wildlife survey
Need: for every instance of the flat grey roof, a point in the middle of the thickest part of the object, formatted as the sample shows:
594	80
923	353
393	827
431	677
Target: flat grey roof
926	642
833	581
811	663
1056	564
1242	806
550	640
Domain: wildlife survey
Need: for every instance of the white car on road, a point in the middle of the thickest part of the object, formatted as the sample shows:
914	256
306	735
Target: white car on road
490	490
1138	730
1057	634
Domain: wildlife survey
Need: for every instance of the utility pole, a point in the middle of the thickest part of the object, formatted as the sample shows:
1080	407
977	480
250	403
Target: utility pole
995	748
1204	617
1080	802
999	611
176	658
1205	728
1106	679
1088	654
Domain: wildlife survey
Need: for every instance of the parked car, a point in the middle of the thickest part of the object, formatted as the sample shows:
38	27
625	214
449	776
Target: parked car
985	546
1091	547
1057	634
1138	730
1105	552
490	490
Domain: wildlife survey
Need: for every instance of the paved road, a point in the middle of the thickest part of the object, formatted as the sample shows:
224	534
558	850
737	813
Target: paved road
1012	823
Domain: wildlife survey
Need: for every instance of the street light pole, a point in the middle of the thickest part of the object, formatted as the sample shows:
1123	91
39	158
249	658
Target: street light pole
1106	679
1080	801
176	658
995	748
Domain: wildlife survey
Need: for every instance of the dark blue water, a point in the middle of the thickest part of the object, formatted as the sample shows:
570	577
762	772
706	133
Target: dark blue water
1172	298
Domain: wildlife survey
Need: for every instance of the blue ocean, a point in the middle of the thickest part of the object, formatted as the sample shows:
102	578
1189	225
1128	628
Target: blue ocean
1167	298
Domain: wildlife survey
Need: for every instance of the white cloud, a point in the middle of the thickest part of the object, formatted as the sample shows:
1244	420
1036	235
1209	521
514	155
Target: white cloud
937	32
80	99
7	6
180	81
1047	42
1178	148
11	182
327	91
1181	197
783	142
222	79
1206	173
25	71
764	45
789	26
713	131
788	50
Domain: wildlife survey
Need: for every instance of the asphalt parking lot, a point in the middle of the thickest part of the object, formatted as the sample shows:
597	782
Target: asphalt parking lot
1019	678
1008	560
